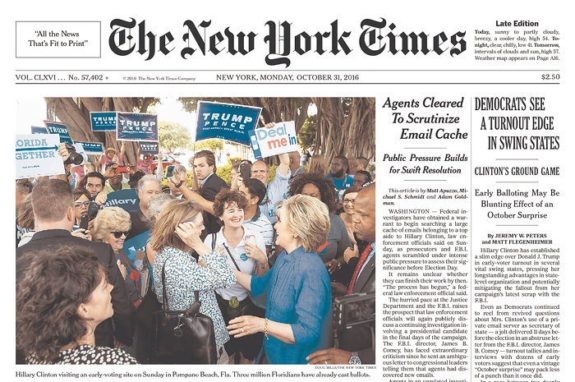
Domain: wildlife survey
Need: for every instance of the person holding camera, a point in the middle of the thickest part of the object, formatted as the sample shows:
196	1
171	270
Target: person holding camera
54	215
115	178
356	344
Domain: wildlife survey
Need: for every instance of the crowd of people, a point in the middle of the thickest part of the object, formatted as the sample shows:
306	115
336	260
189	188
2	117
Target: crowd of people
267	254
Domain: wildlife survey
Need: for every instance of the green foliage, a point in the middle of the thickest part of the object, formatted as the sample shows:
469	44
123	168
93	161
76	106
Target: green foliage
306	134
173	136
225	171
211	144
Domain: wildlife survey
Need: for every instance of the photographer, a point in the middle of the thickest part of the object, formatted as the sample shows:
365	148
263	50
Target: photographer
115	178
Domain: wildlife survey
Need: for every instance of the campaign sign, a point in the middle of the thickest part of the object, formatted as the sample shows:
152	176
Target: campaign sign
137	127
125	199
37	155
135	251
60	129
226	121
277	140
92	148
255	147
149	148
39	130
103	121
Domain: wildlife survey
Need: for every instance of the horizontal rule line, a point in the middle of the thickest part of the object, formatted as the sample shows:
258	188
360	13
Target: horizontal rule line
517	225
286	83
287	70
518	181
517	159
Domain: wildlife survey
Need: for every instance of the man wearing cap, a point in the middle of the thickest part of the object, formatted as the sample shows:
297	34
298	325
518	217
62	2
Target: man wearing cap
114	178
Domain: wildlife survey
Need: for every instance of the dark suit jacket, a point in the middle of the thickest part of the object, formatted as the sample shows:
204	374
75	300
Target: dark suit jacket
208	191
360	339
121	327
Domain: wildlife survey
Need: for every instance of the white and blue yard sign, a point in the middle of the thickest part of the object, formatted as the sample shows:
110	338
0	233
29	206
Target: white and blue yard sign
137	127
37	155
149	148
60	129
39	130
92	148
279	139
103	121
226	121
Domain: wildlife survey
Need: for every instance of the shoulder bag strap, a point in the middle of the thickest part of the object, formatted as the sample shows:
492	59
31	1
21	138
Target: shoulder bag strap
231	257
165	306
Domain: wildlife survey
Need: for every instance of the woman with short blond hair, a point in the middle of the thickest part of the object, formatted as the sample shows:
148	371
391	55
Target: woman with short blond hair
297	287
111	226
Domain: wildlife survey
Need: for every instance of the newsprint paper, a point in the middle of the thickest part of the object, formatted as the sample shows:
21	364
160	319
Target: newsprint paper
463	111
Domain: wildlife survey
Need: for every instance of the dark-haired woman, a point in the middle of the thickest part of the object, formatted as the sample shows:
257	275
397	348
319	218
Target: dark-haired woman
61	298
245	252
338	240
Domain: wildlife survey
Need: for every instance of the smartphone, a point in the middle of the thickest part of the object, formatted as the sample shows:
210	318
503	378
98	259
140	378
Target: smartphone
84	220
169	171
245	170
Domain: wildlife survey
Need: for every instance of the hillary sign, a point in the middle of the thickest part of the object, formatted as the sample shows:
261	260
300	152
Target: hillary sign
226	121
137	127
279	139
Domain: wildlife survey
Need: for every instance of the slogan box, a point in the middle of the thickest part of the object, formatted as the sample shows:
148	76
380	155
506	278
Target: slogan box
101	121
226	121
136	127
276	140
149	148
60	129
92	148
37	155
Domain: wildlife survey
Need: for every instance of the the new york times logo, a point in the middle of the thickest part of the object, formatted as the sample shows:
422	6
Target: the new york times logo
376	37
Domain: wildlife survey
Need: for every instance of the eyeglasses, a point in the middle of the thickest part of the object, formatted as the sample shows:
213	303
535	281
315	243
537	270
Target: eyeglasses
118	235
349	200
82	204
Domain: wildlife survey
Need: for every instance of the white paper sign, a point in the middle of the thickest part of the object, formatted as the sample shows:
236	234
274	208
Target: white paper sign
277	140
37	155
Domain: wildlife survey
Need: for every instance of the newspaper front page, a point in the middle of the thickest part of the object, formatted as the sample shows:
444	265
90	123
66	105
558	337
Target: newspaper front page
462	111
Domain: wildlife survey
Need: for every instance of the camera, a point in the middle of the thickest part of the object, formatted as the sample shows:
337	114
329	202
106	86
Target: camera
93	209
245	170
354	310
74	157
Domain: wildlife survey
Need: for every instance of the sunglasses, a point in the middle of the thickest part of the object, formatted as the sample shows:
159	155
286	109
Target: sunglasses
118	235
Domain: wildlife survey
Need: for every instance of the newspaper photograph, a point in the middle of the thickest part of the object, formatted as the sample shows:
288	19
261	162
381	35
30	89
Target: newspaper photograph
327	191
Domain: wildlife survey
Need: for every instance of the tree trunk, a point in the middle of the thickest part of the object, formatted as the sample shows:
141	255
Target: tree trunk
75	114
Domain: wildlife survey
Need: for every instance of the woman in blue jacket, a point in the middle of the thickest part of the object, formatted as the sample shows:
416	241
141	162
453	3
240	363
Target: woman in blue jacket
297	287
